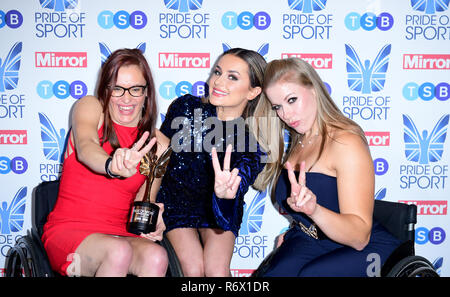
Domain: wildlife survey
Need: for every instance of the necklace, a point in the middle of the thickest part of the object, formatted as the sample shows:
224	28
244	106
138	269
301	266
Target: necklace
310	140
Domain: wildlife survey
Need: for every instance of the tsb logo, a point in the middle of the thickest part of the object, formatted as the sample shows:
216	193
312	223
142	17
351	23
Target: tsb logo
246	20
122	19
169	90
436	235
61	89
369	21
12	19
426	91
17	165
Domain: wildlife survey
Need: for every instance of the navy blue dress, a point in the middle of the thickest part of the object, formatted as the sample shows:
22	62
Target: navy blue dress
302	255
187	188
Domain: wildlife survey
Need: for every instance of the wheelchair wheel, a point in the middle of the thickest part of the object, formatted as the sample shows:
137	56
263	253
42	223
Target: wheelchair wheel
413	266
27	258
174	269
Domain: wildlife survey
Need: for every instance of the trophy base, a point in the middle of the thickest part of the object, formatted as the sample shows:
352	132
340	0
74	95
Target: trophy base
143	218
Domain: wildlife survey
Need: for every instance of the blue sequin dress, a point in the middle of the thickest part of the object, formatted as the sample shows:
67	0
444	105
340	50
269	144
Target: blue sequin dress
187	189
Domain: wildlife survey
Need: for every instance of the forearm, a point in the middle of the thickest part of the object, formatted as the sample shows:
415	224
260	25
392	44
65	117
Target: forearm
347	229
92	155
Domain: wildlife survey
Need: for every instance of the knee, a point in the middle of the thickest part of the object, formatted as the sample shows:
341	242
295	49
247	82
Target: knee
192	267
119	255
217	270
152	261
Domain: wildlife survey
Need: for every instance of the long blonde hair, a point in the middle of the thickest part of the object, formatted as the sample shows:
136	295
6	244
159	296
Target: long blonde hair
328	116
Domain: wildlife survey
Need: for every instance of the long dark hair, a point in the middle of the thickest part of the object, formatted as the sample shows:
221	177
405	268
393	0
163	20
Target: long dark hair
108	78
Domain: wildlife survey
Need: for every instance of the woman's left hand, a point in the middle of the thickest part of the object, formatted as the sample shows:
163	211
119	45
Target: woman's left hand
302	199
226	183
157	235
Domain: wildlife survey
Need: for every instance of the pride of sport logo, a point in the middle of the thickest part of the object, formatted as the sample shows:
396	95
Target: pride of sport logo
424	150
184	60
60	19
249	244
431	22
61	59
180	22
306	20
366	77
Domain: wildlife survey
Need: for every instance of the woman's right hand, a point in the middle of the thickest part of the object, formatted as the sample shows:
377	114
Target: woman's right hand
124	161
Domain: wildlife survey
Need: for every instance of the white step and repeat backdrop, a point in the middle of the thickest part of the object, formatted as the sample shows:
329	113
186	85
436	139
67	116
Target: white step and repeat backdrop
386	64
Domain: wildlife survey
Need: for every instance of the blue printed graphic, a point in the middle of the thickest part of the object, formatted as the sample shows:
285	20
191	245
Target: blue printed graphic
52	141
183	5
430	6
367	78
59	5
423	147
105	52
9	69
252	218
12	217
437	264
380	194
307	6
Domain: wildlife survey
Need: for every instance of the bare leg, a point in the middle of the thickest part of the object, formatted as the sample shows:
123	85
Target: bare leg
189	250
218	250
149	258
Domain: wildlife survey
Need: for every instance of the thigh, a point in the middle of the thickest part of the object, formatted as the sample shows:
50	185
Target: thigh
146	253
289	258
187	245
91	251
344	262
218	248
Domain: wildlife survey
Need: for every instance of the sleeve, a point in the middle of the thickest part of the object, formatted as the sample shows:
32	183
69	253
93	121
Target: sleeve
170	115
229	212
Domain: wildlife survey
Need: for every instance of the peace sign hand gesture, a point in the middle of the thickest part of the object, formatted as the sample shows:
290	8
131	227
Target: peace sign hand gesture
226	183
301	199
125	160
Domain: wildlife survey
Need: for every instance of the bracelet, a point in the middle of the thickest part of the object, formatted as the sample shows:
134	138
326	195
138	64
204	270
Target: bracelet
108	172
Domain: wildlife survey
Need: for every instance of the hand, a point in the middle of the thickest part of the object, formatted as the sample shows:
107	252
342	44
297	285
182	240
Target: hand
157	235
226	183
280	239
301	199
125	160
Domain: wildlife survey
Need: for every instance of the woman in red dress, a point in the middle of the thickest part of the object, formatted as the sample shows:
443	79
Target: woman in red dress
86	232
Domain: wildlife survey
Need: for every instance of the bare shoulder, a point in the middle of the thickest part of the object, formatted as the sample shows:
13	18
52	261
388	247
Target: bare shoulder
348	148
88	103
162	140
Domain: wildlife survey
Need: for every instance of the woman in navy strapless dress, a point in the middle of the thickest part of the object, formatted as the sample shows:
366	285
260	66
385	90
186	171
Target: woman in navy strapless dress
203	189
324	181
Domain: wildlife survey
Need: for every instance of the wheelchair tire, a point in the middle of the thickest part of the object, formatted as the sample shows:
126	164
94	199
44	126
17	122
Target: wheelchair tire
413	266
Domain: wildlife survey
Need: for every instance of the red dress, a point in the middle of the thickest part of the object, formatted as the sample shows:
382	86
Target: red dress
89	203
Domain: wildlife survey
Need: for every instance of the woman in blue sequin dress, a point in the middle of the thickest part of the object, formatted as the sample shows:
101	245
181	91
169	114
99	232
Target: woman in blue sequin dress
203	188
326	185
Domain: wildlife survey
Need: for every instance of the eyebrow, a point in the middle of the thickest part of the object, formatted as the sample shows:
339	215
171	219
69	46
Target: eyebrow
288	95
230	71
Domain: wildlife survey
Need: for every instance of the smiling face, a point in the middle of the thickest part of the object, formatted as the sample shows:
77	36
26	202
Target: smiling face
126	110
230	88
295	104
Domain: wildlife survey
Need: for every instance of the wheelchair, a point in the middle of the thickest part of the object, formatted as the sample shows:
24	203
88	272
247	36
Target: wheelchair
28	257
399	219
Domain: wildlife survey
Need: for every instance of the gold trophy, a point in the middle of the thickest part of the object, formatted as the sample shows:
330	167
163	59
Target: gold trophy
144	214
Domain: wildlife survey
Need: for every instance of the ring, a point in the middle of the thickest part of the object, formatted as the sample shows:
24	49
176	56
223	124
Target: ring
226	169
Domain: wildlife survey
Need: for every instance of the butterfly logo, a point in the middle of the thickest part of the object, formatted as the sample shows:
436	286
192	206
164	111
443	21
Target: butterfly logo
9	69
263	50
59	5
367	78
380	194
105	52
252	218
430	6
307	6
183	5
424	147
12	217
52	142
437	264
